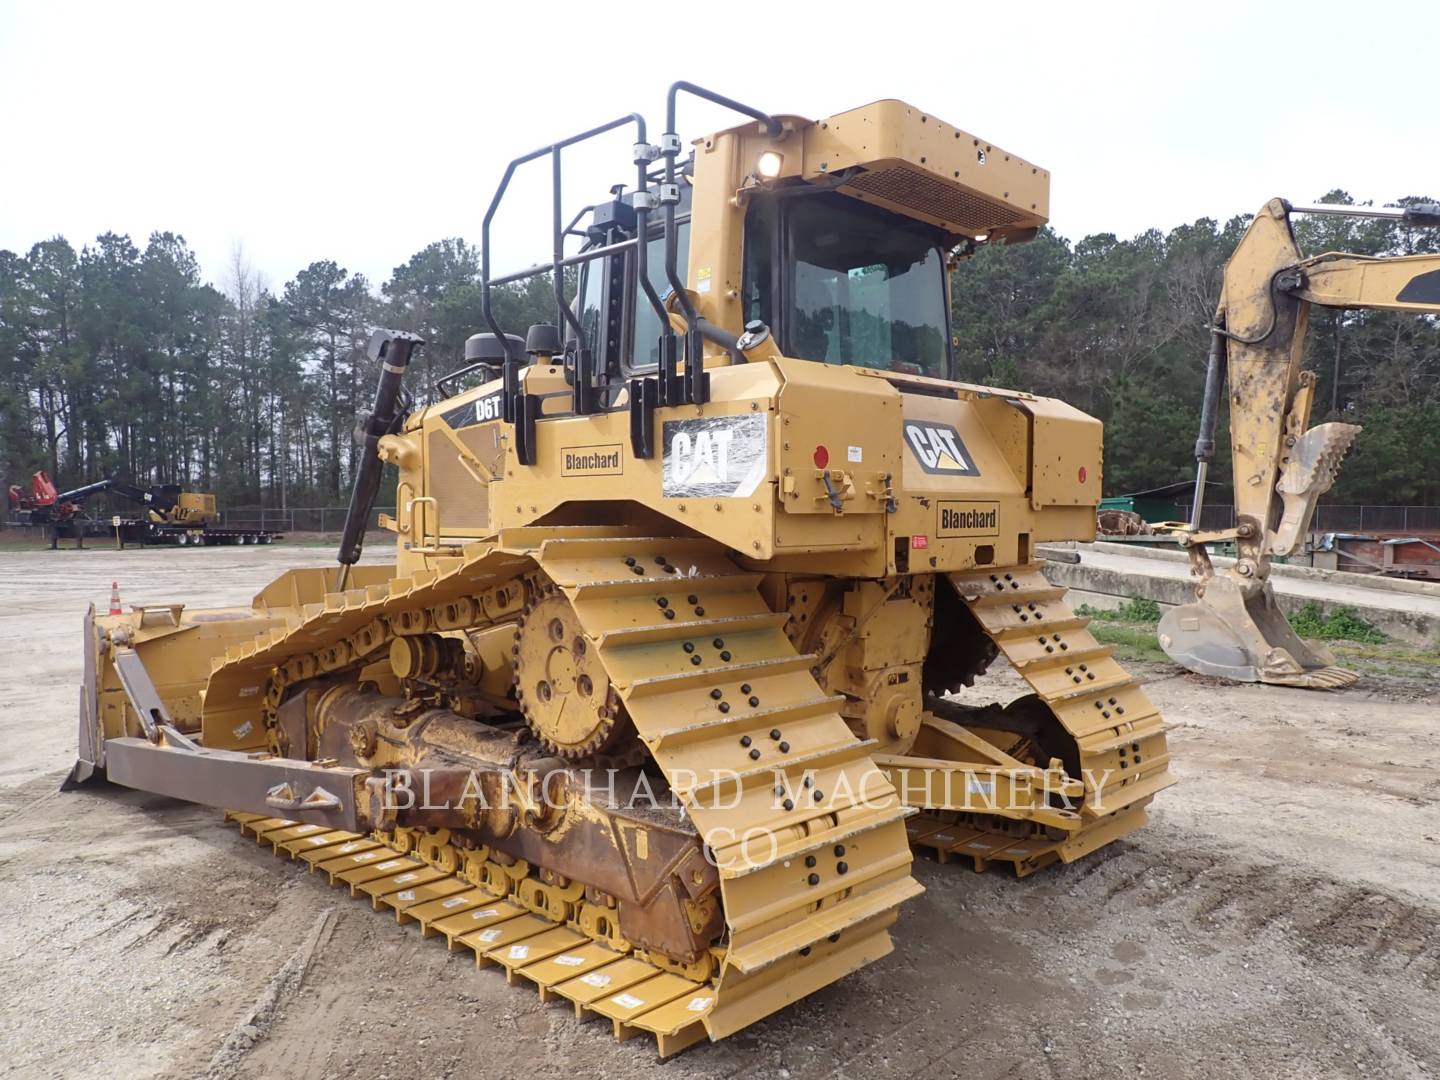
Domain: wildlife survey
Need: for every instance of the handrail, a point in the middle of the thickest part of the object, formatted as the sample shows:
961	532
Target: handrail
512	362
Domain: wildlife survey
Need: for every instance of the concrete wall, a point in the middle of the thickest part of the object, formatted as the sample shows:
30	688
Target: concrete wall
1409	613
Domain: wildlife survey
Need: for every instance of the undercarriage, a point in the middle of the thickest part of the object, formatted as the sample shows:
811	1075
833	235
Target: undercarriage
635	745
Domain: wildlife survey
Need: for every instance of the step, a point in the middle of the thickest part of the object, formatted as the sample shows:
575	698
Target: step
1060	658
1115	742
745	779
819	841
740	581
1091	688
562	549
1119	799
1021	596
1002	634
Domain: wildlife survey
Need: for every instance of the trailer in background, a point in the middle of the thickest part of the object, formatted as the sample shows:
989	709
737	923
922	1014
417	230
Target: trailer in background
123	531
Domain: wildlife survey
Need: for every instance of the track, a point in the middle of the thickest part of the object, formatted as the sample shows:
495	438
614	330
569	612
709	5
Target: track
471	909
807	834
1118	736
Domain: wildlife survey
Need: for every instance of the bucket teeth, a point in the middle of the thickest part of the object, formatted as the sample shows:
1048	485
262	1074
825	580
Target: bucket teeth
1325	678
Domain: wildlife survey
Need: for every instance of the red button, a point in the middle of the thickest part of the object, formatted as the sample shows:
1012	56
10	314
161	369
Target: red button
1083	474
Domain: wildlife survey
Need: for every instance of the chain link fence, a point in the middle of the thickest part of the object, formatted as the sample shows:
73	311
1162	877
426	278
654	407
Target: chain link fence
1344	519
295	519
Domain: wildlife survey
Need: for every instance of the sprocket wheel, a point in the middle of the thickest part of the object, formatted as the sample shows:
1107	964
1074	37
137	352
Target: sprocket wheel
563	689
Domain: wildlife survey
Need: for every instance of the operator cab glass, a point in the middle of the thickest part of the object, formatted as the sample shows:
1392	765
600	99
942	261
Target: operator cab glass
644	325
611	301
845	283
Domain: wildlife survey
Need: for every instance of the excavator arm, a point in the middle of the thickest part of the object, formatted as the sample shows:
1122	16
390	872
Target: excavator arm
1281	465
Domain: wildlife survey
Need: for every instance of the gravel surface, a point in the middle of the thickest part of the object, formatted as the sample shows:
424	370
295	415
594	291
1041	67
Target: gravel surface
1279	917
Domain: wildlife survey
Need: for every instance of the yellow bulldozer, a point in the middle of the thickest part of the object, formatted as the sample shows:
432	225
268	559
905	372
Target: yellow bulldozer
657	691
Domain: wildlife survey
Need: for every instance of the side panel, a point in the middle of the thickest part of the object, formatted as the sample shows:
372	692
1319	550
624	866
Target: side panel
963	489
850	423
1068	453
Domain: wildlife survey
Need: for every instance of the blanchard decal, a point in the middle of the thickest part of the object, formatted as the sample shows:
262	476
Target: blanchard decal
938	448
725	456
591	460
480	411
967	519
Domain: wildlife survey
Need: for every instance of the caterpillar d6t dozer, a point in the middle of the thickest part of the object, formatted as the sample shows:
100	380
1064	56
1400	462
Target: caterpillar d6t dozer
652	701
1234	629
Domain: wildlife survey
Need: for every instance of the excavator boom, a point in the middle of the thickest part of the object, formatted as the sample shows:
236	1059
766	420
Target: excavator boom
1281	465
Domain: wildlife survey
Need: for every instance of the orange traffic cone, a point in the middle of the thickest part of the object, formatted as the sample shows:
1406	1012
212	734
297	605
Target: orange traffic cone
115	599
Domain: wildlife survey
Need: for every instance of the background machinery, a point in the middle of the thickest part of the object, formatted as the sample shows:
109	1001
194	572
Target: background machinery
653	698
170	516
1281	465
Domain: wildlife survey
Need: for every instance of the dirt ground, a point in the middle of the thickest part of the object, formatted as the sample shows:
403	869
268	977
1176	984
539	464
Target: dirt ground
1279	918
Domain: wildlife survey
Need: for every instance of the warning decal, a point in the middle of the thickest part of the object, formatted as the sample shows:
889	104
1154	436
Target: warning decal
724	456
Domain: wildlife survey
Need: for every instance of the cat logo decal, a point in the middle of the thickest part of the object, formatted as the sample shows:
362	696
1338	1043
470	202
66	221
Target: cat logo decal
938	449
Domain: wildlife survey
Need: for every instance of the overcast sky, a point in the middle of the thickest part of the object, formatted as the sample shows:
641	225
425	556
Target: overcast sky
361	132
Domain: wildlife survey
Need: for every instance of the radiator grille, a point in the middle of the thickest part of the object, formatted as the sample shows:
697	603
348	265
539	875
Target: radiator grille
464	501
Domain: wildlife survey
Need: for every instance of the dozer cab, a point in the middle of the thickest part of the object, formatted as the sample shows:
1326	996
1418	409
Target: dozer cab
652	700
1234	629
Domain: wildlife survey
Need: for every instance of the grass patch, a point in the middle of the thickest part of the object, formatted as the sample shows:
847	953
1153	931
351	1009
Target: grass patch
1396	659
1131	642
1356	644
1130	628
1133	610
1338	624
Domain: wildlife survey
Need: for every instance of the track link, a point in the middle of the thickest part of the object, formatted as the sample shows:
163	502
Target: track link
465	907
807	832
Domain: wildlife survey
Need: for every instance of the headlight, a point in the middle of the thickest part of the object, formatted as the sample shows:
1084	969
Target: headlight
768	164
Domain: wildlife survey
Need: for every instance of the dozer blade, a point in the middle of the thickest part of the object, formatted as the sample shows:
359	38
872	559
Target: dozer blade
1247	639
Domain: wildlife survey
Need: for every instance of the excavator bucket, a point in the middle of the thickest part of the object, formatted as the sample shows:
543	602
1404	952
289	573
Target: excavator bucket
1246	638
1234	629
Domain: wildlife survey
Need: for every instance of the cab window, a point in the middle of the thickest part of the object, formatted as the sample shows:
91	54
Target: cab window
644	324
846	283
